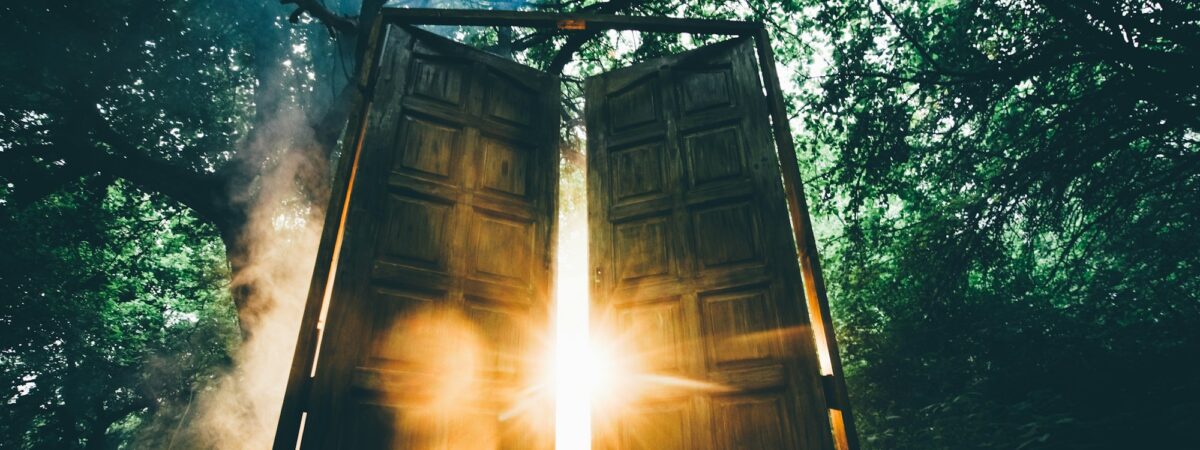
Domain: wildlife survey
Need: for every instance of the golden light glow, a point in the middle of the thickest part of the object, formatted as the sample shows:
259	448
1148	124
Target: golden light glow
577	372
443	376
599	372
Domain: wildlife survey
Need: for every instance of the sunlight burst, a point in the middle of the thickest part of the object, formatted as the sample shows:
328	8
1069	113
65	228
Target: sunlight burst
574	367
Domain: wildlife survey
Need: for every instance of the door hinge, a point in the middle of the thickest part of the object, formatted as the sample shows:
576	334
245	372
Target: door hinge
572	24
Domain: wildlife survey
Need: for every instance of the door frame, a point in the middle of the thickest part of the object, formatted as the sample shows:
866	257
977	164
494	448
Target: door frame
296	396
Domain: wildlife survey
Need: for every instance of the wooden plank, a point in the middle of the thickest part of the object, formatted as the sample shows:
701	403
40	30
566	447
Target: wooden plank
296	395
566	21
810	265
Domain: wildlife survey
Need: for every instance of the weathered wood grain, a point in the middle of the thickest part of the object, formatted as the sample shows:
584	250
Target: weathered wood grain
693	258
445	263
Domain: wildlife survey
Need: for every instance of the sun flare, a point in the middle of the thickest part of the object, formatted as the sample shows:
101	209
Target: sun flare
597	370
575	371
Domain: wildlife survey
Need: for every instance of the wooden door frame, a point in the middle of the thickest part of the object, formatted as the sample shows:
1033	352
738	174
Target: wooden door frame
816	298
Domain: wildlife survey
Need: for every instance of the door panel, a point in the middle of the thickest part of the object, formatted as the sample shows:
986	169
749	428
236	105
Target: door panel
446	257
693	258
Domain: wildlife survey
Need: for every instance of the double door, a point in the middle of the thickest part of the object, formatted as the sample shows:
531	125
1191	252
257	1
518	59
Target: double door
440	299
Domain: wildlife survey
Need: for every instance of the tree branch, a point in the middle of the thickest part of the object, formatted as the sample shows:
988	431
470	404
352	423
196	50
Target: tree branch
33	180
204	193
923	52
576	40
334	21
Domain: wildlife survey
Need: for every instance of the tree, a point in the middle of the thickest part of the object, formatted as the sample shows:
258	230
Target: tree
1014	186
115	306
162	95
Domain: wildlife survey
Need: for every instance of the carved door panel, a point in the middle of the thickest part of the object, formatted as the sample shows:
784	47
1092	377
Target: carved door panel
693	259
445	261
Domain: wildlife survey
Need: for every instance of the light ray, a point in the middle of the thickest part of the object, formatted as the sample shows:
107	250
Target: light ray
574	364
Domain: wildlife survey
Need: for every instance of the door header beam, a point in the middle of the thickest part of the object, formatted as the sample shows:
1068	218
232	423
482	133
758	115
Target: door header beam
566	21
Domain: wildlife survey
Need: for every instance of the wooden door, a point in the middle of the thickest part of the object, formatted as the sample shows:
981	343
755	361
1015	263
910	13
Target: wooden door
693	260
444	274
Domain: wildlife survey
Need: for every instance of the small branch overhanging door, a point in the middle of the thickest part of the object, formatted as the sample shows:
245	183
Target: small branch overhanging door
693	259
445	264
